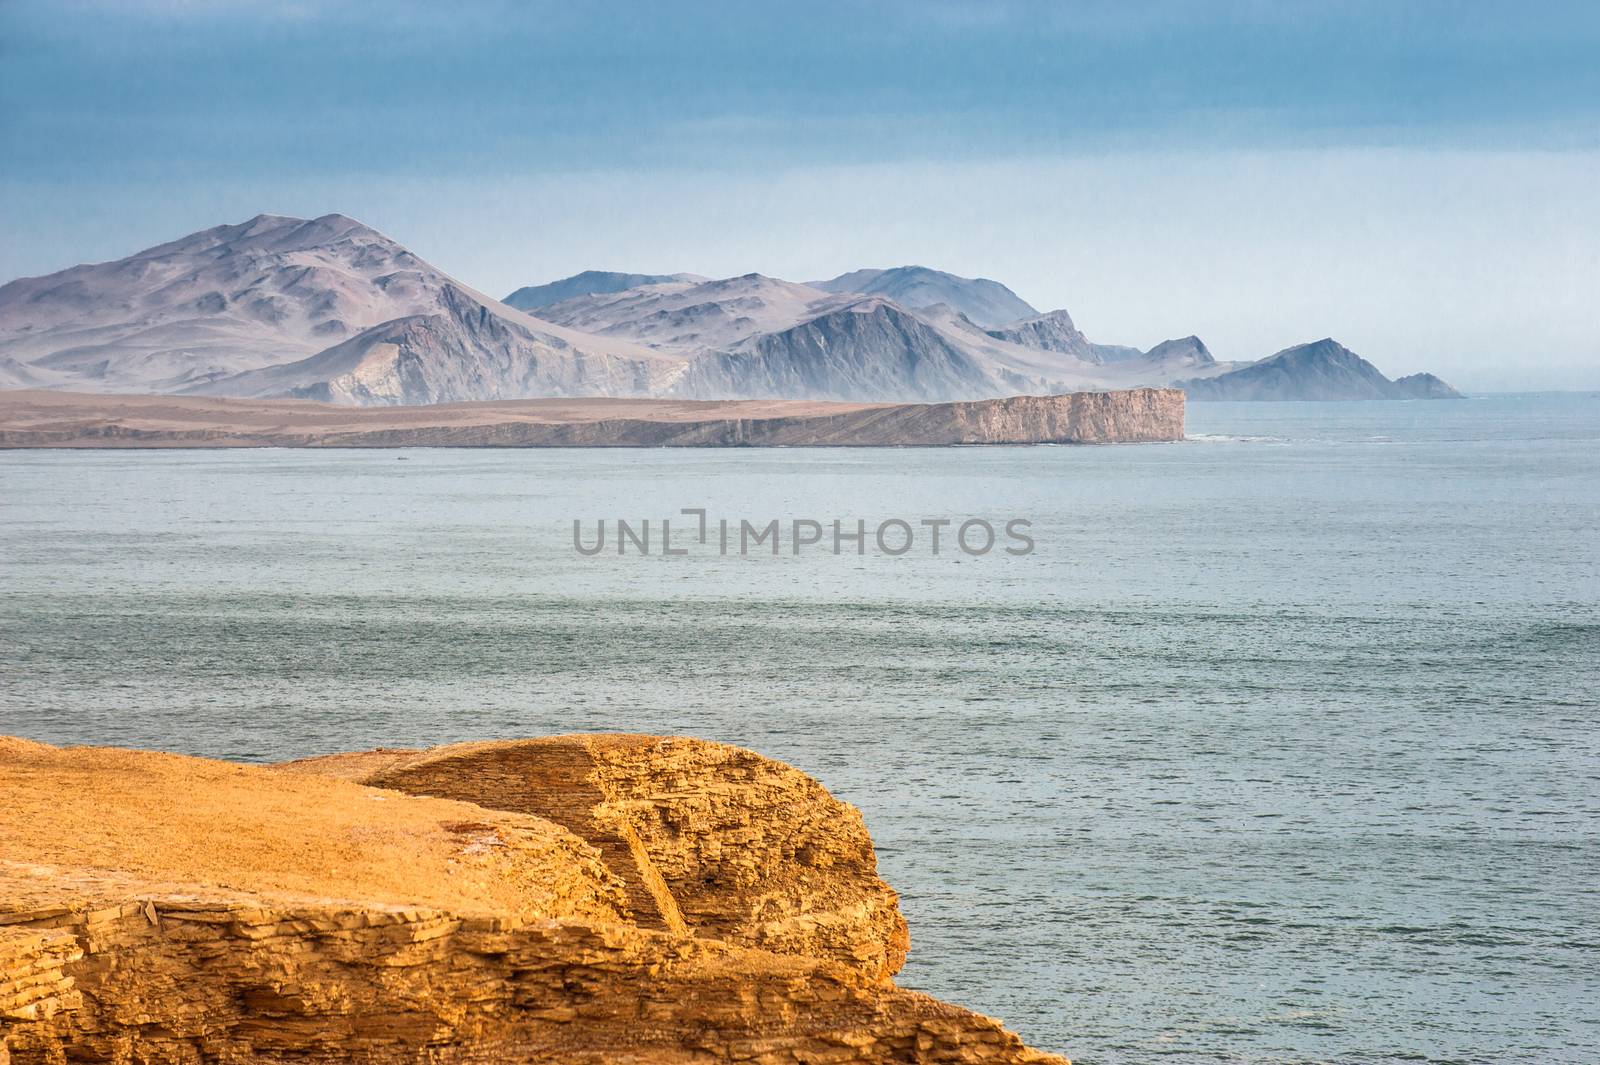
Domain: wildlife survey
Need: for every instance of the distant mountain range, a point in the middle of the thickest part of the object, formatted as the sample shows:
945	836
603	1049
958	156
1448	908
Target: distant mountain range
1323	369
330	309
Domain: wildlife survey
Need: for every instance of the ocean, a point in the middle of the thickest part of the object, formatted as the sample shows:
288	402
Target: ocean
1280	745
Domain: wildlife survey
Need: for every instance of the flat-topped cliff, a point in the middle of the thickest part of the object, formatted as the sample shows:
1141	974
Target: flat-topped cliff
75	420
572	899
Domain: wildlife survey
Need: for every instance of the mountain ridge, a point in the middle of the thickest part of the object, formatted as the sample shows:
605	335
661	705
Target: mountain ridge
464	351
987	303
1320	370
868	350
586	283
213	303
332	308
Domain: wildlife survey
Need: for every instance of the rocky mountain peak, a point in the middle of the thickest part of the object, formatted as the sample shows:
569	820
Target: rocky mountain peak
1190	349
587	283
987	303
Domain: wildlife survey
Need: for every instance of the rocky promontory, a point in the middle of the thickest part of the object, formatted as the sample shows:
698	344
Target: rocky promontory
600	898
79	420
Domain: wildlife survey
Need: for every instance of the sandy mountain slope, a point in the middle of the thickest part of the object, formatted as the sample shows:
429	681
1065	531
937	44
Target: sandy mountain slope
867	350
1321	370
691	317
588	283
988	303
270	290
1424	386
760	337
330	309
1052	331
465	349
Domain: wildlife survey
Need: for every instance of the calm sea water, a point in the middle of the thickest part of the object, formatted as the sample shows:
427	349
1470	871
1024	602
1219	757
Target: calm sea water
1281	747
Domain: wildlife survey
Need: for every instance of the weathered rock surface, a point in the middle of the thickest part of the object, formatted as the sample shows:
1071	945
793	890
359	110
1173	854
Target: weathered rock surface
870	350
707	838
1173	357
587	283
329	309
274	291
464	350
759	337
62	419
1051	331
690	317
987	303
577	899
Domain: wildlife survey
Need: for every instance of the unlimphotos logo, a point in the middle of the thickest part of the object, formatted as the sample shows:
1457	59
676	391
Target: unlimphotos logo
704	535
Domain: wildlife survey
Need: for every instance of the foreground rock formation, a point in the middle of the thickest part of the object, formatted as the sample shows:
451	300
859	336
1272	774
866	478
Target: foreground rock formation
65	419
574	899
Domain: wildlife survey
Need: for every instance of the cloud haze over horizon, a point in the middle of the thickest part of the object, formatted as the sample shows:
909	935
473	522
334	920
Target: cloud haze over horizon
1421	181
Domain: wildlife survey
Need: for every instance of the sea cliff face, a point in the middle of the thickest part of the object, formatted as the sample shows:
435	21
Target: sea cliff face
575	899
53	419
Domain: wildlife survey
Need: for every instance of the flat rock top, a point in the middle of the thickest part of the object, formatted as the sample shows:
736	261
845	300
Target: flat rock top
637	898
164	820
705	837
32	409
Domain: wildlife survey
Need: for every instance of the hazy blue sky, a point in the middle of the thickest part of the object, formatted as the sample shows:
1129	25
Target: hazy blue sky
1420	180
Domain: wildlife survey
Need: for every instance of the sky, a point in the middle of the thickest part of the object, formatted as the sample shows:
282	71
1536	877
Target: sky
1419	180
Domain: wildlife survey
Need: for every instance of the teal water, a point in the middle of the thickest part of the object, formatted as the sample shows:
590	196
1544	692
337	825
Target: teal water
1282	746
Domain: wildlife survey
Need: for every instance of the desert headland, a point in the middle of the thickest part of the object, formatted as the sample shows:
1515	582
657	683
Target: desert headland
591	898
46	419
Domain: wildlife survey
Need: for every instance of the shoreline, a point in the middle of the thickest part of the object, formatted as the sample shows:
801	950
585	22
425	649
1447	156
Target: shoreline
34	419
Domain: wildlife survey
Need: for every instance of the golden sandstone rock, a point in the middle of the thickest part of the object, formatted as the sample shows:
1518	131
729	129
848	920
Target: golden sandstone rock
574	899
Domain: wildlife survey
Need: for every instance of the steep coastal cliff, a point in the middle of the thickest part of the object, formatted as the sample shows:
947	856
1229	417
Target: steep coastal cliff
575	899
61	419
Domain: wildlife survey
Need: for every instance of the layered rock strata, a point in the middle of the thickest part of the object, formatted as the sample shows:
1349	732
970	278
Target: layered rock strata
576	899
58	419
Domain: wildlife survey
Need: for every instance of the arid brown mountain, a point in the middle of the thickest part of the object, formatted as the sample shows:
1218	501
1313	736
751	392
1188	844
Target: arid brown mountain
1322	370
214	303
987	303
868	350
588	283
695	316
14	374
759	337
1052	331
1174	356
464	350
286	306
1424	386
330	309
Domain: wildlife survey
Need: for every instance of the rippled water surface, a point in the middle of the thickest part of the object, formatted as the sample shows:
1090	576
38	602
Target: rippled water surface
1281	747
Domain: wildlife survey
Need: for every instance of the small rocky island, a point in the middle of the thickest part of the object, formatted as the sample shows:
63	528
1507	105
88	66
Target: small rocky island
576	899
79	420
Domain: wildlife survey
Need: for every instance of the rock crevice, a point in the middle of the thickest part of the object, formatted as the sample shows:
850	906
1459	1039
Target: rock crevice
571	899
